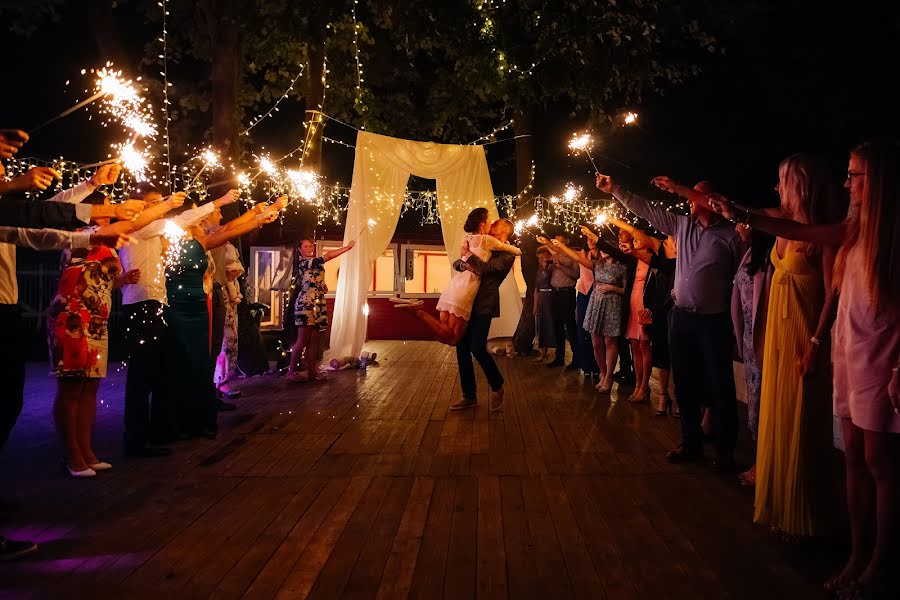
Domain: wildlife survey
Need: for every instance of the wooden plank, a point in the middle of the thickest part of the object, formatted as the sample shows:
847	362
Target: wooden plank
431	562
491	556
401	564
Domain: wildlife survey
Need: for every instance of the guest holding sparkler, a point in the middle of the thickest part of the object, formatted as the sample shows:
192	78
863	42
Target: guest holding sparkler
189	407
310	310
700	336
77	329
863	304
603	318
144	301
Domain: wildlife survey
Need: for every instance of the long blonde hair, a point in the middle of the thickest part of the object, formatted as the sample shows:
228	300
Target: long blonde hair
875	227
808	193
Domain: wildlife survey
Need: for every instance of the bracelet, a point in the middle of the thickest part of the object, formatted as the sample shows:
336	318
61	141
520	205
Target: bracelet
816	341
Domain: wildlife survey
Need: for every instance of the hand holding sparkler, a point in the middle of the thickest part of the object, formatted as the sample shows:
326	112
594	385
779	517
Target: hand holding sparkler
10	142
36	178
666	184
175	200
604	183
105	175
590	235
230	197
128	210
727	208
112	240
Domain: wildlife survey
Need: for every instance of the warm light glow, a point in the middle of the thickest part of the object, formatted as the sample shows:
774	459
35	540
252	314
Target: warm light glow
174	236
365	309
267	166
117	89
631	118
601	218
572	192
243	179
304	183
134	161
210	157
580	143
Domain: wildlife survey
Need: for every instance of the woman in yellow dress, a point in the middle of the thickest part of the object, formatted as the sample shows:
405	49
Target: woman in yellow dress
793	496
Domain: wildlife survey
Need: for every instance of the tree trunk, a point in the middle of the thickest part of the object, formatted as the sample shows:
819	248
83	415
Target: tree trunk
106	32
224	36
315	99
523	340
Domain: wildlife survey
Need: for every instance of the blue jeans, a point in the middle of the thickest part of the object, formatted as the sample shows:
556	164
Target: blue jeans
585	346
474	343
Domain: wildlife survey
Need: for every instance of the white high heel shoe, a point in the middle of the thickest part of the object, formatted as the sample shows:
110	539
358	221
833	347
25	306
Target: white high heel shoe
101	466
89	472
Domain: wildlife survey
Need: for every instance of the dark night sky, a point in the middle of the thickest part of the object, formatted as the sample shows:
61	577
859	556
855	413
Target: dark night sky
797	75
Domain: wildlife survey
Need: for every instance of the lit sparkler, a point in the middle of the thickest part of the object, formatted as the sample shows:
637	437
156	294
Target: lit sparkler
601	219
572	192
174	236
583	143
134	161
630	118
305	183
210	160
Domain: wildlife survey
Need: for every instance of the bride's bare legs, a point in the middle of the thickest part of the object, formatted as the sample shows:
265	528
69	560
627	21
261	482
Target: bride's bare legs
449	329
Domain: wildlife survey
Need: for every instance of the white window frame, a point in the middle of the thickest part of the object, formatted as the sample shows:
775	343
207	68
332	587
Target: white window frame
320	250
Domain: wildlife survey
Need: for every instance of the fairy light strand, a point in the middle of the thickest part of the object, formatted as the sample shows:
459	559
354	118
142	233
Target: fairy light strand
274	108
164	4
359	72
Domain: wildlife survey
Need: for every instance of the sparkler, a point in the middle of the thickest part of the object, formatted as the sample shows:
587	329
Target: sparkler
305	183
583	143
111	85
134	161
630	118
210	159
523	225
602	218
369	224
174	236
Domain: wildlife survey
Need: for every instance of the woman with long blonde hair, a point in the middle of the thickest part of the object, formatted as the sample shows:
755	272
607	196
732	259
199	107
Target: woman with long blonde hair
864	305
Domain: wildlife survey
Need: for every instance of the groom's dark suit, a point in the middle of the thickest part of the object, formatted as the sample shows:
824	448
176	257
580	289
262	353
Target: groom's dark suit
484	309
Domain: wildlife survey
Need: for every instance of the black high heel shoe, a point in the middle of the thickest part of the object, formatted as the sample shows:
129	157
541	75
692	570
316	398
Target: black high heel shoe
667	407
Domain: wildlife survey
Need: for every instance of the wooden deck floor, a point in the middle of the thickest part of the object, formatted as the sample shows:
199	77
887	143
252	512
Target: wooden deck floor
368	487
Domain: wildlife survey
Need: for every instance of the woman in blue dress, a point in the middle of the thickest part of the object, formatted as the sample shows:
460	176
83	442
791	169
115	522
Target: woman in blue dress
603	318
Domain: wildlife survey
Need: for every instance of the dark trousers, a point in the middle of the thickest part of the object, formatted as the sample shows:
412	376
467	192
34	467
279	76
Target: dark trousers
145	336
12	369
564	326
474	343
585	346
701	350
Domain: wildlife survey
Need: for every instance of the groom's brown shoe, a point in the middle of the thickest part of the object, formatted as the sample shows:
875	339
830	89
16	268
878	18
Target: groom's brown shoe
497	399
464	403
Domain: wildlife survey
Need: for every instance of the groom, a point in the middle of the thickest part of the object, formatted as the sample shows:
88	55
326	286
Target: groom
485	308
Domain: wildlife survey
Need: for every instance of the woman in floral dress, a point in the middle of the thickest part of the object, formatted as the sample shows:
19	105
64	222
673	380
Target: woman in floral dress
78	336
310	310
603	319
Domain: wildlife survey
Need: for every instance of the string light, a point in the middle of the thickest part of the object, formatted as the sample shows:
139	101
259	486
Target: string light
164	57
359	73
259	118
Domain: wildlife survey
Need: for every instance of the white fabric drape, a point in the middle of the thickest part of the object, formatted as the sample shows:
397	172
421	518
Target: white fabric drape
381	171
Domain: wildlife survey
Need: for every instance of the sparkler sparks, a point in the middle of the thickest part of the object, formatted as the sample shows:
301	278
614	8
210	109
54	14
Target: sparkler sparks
304	183
572	192
174	236
210	160
630	118
134	161
583	143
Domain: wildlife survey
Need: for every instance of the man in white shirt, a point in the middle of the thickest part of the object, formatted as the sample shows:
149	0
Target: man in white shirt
144	303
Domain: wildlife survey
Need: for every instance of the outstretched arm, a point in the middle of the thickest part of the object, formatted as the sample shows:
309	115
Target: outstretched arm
570	253
332	254
245	224
147	216
647	240
827	235
659	218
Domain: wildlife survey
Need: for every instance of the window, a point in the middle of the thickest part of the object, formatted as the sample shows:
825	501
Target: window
431	271
383	275
267	267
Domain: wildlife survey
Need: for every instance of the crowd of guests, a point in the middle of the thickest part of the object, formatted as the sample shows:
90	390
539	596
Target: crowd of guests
809	295
178	281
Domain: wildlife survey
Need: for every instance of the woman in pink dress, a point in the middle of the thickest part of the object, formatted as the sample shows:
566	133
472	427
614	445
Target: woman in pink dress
864	305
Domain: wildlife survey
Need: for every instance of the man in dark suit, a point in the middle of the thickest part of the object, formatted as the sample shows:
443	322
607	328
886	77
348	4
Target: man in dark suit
485	308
